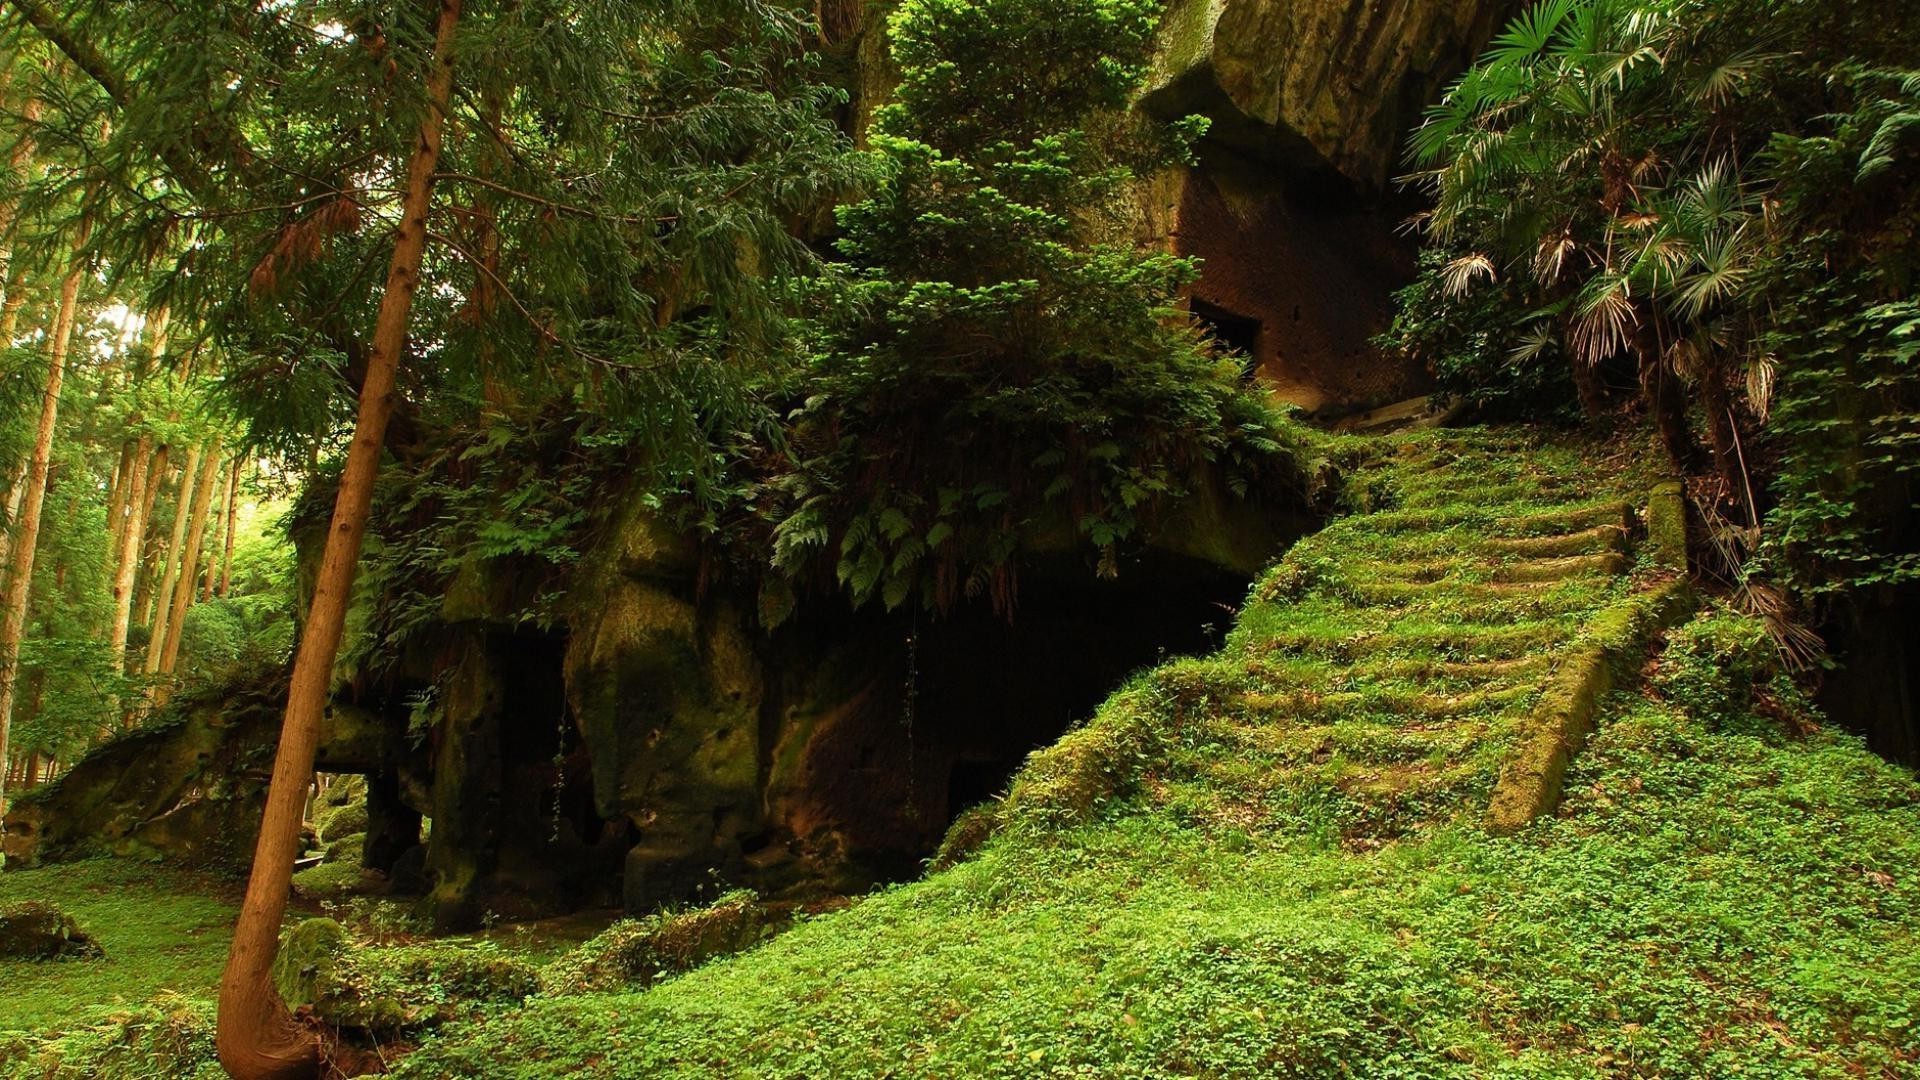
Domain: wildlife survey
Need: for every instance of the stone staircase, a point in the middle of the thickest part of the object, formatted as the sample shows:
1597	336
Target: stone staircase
1441	656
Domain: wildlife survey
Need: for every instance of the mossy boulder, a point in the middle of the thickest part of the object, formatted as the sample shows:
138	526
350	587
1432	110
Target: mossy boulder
634	952
330	880
334	822
391	991
39	931
346	849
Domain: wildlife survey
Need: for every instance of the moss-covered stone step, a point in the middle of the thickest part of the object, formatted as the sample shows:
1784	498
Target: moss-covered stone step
1403	708
1612	564
1465	643
1599	540
1496	601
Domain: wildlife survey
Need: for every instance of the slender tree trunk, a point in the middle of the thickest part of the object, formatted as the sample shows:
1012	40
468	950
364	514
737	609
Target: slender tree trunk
16	276
117	499
13	604
258	1038
172	559
148	554
15	492
233	518
127	558
189	580
220	526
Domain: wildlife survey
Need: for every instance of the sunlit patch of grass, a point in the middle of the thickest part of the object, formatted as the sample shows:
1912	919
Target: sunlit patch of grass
162	930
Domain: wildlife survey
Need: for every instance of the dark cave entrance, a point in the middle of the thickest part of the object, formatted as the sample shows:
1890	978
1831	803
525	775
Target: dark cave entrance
1875	688
1239	333
913	719
988	691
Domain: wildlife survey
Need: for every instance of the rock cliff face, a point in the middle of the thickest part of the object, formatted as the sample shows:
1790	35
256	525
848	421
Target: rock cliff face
1317	84
1290	208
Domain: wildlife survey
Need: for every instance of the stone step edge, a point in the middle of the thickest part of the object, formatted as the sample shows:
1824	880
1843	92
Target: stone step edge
1532	783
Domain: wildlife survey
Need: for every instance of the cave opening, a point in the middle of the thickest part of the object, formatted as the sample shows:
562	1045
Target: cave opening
932	715
1235	332
988	691
1874	687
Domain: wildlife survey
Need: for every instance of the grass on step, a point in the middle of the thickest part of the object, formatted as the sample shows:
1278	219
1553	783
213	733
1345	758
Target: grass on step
1709	905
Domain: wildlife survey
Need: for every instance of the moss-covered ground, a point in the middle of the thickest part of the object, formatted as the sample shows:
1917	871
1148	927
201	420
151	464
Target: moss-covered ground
1273	862
162	929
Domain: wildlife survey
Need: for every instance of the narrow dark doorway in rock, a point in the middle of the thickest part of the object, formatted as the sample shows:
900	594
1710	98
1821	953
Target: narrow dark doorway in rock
1239	333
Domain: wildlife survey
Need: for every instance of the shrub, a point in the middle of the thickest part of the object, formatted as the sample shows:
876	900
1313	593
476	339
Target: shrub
1725	670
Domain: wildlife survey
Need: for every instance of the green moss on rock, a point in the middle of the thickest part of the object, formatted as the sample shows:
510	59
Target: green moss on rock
41	931
390	991
633	953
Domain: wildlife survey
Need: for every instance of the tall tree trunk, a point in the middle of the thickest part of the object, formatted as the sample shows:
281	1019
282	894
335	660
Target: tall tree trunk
16	276
133	535
172	559
148	554
189	580
1722	435
233	518
26	539
219	527
258	1038
16	491
1665	400
117	498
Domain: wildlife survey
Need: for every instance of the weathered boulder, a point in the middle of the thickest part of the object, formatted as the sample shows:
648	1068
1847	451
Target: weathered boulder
1333	84
189	786
38	931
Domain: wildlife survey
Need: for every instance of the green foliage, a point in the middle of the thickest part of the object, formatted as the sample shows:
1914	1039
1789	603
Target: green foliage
633	953
160	928
1725	670
1848	414
1483	347
170	1038
1720	190
387	991
1004	366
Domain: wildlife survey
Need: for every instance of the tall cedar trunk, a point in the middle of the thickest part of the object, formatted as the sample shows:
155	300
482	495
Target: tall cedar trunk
258	1038
233	518
15	492
16	276
149	549
188	582
217	526
171	559
133	537
117	500
13	604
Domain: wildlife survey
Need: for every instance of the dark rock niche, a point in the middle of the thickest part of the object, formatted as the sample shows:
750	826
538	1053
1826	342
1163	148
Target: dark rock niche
884	728
1875	690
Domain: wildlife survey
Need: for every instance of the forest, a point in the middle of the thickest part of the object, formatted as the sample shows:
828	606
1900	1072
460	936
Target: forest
959	538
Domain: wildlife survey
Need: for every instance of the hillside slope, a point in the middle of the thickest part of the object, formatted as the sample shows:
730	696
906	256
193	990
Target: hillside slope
1277	861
